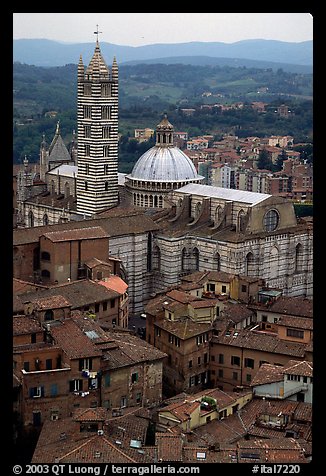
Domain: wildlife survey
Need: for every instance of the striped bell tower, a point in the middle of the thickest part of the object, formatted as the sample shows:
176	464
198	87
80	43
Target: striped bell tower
97	118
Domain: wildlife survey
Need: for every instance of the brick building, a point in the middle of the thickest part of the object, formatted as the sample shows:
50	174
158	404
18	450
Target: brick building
71	362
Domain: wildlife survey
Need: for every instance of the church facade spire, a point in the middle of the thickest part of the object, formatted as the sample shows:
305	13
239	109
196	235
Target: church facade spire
97	118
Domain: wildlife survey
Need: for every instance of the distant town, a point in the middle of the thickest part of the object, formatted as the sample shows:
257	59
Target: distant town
163	315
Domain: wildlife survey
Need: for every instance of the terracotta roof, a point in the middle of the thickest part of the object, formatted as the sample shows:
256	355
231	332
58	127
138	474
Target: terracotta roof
181	296
236	311
118	222
294	306
295	321
26	325
19	286
129	350
267	373
261	341
53	302
90	414
303	412
56	200
294	367
276	450
203	303
61	441
181	410
115	283
73	341
79	293
169	447
88	233
184	328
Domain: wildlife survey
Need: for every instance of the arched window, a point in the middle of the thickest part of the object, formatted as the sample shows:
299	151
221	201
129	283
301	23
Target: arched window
218	214
271	220
273	263
67	190
240	221
250	265
299	258
184	259
156	258
45	219
197	209
30	219
217	262
195	253
45	273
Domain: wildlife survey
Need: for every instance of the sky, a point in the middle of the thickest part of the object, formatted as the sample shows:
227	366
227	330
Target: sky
136	29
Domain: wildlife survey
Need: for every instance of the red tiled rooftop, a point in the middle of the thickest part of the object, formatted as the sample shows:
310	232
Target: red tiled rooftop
115	283
73	341
80	234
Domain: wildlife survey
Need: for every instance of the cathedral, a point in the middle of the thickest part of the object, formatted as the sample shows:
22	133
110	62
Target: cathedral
162	222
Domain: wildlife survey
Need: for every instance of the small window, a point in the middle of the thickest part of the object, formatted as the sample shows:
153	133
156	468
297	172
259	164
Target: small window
48	364
221	359
48	315
235	360
295	333
85	364
190	364
75	385
134	377
249	363
243	288
54	390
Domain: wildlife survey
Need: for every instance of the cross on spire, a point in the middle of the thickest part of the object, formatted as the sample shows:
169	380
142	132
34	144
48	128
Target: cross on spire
97	33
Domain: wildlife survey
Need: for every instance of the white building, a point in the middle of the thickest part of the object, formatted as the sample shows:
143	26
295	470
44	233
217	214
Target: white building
293	382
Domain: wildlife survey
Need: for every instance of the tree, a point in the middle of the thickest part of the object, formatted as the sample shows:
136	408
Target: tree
279	161
264	160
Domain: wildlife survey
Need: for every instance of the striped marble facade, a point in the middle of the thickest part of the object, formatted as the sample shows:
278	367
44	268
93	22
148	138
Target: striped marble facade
97	117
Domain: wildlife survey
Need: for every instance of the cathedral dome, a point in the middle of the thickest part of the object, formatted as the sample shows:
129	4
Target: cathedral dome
164	162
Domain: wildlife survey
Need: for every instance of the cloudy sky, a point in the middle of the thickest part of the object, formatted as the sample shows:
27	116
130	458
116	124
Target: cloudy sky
135	29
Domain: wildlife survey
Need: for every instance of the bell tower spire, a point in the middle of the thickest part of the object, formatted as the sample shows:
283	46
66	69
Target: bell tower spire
97	118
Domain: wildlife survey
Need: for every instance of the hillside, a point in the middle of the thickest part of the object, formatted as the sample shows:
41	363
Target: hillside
40	52
42	96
